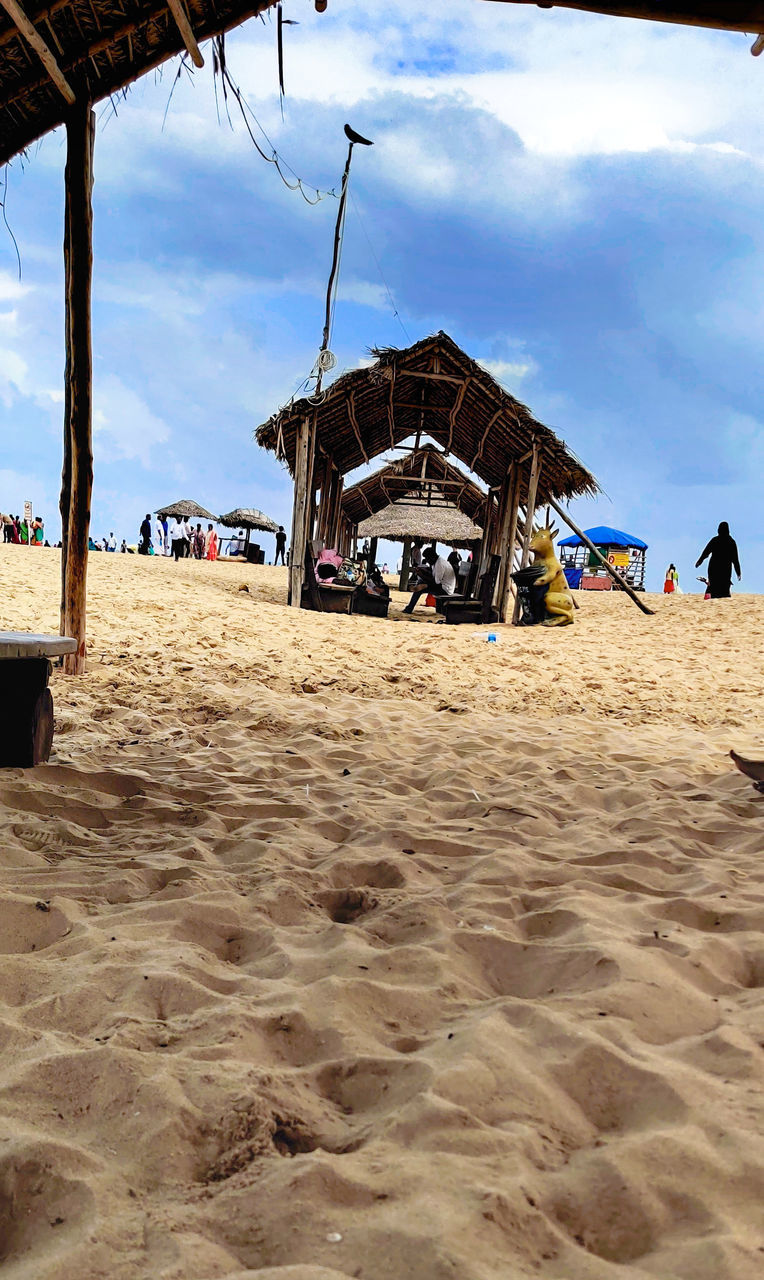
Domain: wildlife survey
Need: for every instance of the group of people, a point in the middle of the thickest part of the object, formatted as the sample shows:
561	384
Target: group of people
434	574
723	553
20	533
177	537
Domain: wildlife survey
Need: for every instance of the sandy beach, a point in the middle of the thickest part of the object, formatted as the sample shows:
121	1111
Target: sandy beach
338	947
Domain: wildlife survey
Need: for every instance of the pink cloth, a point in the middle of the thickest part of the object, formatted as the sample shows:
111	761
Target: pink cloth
329	557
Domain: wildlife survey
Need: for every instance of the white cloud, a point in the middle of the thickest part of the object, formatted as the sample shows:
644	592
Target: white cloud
13	374
123	424
509	371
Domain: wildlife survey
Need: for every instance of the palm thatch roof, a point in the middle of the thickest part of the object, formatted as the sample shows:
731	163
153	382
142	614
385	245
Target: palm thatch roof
423	477
434	389
728	15
432	524
248	518
88	49
185	509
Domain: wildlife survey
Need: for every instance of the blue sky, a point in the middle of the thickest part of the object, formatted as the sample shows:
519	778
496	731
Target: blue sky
577	200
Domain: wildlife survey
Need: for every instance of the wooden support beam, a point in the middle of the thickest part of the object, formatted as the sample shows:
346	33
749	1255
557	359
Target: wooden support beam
178	12
303	467
36	42
723	15
614	574
483	439
390	412
455	412
508	550
530	508
77	477
354	425
436	377
403	582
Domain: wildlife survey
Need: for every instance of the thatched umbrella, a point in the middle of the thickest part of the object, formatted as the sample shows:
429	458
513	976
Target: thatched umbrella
430	524
185	509
248	518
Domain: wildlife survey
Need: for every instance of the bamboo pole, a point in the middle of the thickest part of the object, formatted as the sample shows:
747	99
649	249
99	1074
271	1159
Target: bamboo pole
186	33
302	470
614	574
77	477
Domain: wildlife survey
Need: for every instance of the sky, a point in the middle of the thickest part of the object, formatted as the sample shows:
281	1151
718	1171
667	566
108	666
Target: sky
576	199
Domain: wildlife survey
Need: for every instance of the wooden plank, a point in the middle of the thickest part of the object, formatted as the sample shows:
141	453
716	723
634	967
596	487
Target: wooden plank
436	377
455	412
28	644
614	574
184	27
302	469
44	53
78	394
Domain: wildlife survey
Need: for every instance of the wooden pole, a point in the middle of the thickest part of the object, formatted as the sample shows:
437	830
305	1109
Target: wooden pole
502	529
530	509
614	574
694	13
302	468
77	477
509	547
405	565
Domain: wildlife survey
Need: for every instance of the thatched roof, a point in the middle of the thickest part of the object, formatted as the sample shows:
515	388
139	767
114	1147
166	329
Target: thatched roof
186	509
422	476
432	524
728	15
97	47
435	389
248	518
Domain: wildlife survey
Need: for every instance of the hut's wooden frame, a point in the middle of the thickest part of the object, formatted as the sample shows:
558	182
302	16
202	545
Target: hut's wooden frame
432	388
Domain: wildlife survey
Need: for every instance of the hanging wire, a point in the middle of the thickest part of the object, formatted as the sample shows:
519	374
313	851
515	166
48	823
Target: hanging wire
388	290
4	207
248	116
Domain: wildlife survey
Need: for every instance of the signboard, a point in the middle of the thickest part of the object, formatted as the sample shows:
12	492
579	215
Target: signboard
620	559
28	520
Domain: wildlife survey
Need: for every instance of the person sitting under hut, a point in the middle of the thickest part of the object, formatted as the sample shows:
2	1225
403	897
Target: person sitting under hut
436	577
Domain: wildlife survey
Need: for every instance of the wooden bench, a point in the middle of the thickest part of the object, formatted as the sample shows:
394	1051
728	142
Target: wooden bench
26	704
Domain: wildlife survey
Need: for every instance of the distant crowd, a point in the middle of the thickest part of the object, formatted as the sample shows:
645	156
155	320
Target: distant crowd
178	538
19	532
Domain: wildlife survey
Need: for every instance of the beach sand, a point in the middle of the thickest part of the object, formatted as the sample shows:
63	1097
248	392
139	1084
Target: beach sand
343	947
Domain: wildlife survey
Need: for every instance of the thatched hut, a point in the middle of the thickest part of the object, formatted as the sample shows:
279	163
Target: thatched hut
432	389
249	519
401	523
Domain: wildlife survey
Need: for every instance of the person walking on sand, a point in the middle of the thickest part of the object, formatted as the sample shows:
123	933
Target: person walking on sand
176	538
724	558
145	533
198	543
188	534
280	545
671	583
210	544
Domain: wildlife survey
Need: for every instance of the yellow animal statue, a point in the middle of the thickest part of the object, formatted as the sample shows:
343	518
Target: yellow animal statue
558	600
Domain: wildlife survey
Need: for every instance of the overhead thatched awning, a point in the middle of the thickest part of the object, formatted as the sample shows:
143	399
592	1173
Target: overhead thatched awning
728	15
248	518
422	477
185	509
52	51
430	389
431	524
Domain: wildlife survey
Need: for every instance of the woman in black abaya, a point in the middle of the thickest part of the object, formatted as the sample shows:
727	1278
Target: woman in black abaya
724	558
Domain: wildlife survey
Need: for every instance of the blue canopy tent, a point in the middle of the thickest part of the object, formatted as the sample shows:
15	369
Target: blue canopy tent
623	551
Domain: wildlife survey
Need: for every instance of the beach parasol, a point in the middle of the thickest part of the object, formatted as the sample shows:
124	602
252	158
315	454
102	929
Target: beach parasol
430	524
186	510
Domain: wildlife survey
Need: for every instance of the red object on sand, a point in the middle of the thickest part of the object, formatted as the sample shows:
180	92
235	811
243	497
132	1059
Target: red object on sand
430	601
